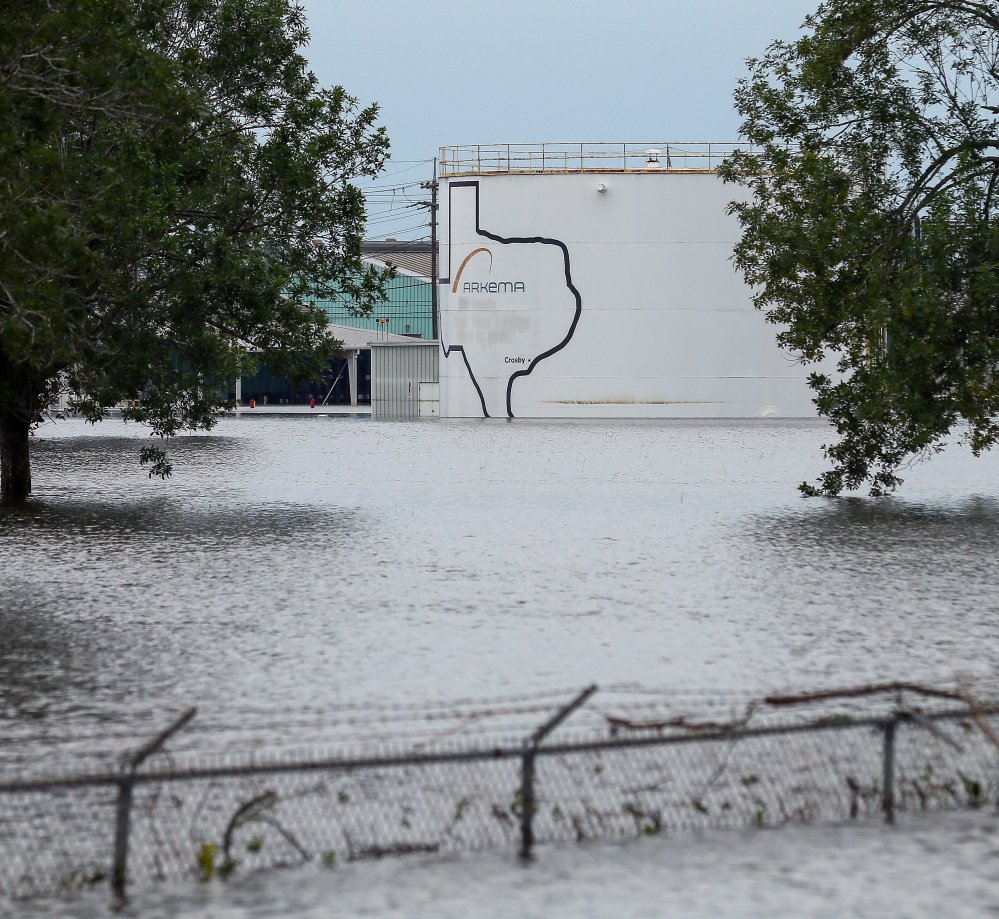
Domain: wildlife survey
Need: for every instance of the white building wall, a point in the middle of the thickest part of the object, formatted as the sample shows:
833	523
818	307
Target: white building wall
572	302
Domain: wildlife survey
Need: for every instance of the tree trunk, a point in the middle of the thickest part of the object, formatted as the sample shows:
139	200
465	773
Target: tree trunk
15	459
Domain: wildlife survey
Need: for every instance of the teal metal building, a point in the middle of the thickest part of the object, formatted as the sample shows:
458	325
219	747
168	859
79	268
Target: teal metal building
406	313
408	309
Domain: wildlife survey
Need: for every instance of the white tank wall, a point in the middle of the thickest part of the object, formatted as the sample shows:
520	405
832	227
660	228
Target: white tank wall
622	303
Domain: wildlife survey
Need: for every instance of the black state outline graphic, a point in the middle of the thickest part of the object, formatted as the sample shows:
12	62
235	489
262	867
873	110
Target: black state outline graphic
506	240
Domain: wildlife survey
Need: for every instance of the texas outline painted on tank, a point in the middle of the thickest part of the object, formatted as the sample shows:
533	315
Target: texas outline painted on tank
514	302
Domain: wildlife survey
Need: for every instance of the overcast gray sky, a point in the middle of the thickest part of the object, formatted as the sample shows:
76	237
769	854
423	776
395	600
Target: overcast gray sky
510	71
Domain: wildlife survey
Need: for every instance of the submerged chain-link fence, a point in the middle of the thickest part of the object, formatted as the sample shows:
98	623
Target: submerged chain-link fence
598	766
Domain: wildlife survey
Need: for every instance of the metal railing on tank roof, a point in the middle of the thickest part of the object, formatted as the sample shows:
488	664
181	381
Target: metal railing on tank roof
651	156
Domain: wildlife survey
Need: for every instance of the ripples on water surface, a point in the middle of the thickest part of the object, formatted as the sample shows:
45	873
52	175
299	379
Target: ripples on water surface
305	561
926	867
310	560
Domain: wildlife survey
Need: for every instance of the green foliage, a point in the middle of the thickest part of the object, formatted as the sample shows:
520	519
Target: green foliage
974	789
518	807
174	188
647	823
460	809
871	234
206	860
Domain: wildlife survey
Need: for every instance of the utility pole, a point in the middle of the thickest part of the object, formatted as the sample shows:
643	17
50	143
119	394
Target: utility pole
431	186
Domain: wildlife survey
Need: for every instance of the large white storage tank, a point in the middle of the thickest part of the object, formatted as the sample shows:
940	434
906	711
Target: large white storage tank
595	280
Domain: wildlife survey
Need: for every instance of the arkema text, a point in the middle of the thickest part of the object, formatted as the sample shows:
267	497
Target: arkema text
493	287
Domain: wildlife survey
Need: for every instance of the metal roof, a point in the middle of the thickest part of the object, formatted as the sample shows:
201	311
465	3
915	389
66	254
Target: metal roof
360	339
409	257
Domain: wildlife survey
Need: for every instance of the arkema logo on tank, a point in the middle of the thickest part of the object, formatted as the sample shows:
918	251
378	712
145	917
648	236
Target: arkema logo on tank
485	287
509	304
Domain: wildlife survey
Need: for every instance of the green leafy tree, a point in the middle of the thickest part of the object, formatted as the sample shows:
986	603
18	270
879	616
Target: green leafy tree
174	188
871	233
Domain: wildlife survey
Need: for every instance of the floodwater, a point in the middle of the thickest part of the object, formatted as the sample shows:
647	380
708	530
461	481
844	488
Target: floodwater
306	561
927	867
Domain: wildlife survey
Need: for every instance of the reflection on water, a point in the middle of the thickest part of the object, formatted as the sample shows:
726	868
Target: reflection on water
306	560
32	642
858	526
127	526
295	562
882	587
98	597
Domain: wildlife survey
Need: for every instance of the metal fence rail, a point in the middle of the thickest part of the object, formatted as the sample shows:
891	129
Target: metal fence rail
623	770
570	157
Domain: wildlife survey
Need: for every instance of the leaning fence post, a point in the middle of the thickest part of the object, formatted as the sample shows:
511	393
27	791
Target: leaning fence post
126	785
527	798
888	775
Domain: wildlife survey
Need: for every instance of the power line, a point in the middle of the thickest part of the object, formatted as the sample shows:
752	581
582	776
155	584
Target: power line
418	226
393	187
